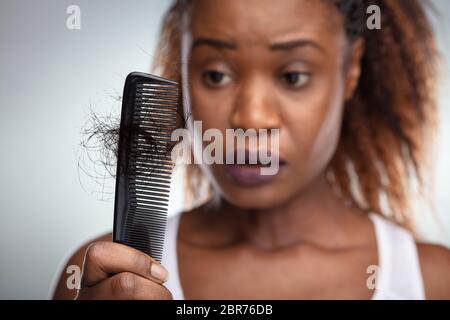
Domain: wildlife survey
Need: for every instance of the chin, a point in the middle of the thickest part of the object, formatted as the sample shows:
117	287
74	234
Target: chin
264	197
254	203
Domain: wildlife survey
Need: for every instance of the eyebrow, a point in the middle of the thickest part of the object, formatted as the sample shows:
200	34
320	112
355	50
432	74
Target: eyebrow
289	45
294	44
219	44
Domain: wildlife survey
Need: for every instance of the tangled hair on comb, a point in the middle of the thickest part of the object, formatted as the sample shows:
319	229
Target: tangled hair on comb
388	123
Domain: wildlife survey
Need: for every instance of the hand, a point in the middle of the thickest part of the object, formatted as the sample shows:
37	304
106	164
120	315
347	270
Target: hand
115	271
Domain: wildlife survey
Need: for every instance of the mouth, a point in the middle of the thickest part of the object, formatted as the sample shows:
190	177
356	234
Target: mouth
254	171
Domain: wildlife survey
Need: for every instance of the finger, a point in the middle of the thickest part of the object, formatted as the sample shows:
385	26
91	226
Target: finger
104	258
126	286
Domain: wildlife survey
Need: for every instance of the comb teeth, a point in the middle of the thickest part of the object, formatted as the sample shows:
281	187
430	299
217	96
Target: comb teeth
149	114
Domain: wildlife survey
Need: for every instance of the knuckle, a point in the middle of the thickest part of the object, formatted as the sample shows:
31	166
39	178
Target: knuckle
159	292
166	294
95	251
124	285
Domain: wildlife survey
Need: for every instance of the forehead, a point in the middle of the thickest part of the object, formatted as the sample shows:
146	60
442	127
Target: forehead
263	21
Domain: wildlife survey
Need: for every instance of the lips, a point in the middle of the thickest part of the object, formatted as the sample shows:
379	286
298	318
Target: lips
251	174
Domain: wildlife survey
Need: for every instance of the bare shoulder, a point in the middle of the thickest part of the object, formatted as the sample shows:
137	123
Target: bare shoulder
61	291
435	265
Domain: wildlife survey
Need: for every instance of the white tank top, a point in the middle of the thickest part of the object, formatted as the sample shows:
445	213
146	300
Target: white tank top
398	276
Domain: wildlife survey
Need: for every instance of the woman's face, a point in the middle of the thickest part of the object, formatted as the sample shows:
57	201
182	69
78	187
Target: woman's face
267	64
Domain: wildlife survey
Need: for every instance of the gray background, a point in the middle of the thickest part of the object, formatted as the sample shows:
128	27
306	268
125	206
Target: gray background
49	78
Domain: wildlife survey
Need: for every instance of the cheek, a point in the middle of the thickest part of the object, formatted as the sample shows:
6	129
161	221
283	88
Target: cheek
201	103
314	124
211	107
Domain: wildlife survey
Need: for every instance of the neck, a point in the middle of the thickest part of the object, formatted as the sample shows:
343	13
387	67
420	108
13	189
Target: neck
314	216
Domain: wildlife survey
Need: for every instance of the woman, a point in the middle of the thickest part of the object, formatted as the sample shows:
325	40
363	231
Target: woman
354	107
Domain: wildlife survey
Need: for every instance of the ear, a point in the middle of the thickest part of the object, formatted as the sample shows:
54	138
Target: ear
353	67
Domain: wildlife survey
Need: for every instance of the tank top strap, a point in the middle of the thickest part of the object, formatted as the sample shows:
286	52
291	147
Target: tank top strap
399	275
170	259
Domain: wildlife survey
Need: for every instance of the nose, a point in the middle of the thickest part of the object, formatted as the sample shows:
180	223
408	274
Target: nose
255	107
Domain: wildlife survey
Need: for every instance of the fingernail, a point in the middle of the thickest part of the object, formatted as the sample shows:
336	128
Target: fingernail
159	272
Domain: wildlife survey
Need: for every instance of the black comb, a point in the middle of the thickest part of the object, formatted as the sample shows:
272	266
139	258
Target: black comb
144	166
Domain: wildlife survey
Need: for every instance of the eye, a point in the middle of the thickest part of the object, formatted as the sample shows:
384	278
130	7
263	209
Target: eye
215	78
295	79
